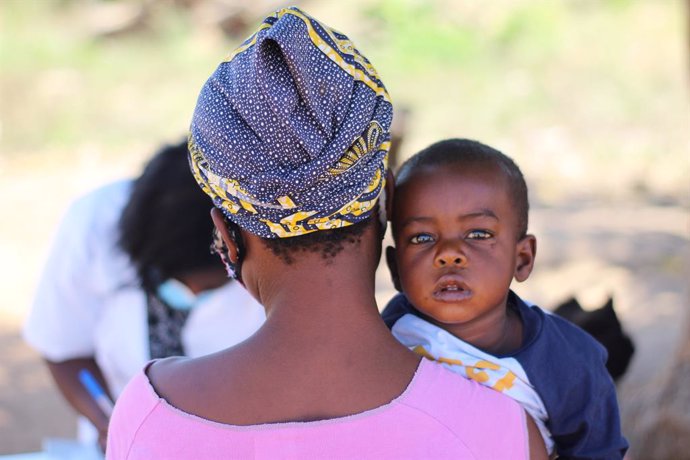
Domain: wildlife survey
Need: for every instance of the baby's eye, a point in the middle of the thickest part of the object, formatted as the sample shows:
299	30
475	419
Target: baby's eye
421	238
479	235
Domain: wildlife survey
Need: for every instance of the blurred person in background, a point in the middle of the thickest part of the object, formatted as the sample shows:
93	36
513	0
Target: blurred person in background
130	278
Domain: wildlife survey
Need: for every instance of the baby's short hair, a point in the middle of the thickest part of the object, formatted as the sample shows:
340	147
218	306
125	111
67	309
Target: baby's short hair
466	152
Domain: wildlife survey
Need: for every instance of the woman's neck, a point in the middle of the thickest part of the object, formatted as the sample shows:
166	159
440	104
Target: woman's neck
327	304
315	305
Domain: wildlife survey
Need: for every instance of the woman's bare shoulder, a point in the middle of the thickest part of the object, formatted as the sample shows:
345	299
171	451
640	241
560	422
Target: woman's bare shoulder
199	386
173	377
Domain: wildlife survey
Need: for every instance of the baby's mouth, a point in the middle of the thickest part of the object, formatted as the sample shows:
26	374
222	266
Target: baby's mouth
450	289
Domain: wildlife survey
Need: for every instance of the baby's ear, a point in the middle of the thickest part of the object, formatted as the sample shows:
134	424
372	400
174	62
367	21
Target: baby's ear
526	251
393	267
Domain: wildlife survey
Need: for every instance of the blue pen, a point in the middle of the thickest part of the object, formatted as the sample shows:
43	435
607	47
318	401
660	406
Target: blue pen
96	391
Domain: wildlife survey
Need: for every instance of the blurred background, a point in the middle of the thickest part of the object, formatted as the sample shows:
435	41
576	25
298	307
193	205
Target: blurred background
590	97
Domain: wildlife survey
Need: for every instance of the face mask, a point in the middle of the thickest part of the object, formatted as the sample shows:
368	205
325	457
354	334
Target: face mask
178	296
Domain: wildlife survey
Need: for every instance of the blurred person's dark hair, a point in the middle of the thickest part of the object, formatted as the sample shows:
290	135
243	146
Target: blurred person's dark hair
165	228
470	153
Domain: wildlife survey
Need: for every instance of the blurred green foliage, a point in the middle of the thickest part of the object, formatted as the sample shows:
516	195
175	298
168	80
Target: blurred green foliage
570	88
419	35
63	85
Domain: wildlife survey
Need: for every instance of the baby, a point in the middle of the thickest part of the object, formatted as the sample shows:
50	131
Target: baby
460	229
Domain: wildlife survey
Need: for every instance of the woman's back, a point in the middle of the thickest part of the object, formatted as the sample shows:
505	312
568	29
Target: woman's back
438	415
277	377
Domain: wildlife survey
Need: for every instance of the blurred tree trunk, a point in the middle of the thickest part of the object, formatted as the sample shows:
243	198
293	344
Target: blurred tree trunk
667	431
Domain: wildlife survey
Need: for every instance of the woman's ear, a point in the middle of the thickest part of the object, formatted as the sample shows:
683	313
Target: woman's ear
222	227
526	251
393	267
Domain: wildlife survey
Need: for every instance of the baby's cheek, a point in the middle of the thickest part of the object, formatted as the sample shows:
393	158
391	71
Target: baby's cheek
407	284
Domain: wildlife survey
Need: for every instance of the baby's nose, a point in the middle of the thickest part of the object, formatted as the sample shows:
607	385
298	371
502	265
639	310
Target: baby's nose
450	256
445	260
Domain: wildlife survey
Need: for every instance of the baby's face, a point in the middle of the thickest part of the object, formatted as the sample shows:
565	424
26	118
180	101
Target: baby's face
456	243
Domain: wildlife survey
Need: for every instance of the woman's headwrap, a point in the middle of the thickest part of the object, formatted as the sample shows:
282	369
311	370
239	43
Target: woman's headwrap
291	133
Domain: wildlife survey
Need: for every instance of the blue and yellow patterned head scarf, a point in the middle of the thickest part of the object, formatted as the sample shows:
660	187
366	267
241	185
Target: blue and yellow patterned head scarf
291	133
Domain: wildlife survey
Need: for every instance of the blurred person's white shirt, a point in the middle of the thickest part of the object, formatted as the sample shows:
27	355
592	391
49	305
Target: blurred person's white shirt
88	302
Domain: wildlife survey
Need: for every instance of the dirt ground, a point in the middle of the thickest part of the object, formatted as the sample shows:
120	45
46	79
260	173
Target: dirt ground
636	251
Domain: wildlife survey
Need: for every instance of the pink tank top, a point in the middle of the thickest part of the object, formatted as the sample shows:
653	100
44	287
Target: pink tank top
439	415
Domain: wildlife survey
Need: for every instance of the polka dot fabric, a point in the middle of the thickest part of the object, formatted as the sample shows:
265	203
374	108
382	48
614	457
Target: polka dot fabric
291	133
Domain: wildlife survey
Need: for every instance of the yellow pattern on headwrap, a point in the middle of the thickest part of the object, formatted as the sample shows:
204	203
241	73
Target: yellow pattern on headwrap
364	144
299	223
344	46
216	186
286	202
293	223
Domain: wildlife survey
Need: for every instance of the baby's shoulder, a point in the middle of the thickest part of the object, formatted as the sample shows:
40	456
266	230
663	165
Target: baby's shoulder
563	337
562	359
